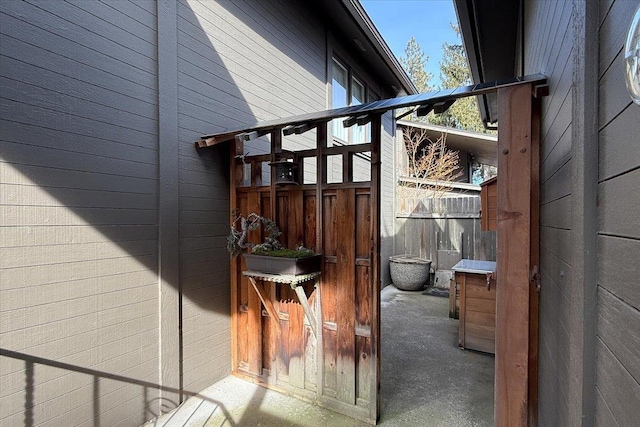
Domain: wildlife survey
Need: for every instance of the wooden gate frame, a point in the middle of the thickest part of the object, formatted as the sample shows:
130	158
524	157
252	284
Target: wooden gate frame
516	367
516	373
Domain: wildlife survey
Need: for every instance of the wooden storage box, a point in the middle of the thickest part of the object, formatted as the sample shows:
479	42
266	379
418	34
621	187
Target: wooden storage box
477	287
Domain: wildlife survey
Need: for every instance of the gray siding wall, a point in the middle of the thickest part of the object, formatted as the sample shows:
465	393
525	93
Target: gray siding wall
548	50
388	196
78	209
85	219
272	65
618	313
565	394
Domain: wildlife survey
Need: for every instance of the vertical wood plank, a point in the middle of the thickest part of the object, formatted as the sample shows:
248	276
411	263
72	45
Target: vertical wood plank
374	390
235	169
514	246
256	174
242	306
295	218
254	319
310	222
276	148
461	284
346	301
296	344
321	178
282	362
347	167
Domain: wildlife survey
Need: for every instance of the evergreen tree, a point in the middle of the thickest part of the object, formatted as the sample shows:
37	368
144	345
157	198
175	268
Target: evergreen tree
454	72
414	63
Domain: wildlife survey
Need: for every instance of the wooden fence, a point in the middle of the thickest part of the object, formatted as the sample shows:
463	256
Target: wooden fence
426	226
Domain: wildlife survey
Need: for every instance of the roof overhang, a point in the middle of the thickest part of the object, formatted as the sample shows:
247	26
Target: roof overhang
356	31
482	146
490	35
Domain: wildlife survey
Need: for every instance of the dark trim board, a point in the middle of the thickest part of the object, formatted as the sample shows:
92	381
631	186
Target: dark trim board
168	223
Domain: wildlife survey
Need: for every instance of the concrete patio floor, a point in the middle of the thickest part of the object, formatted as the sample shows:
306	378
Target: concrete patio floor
426	380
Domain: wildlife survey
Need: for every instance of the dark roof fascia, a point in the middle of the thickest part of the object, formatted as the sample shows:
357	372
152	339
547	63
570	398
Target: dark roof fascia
368	28
469	30
489	33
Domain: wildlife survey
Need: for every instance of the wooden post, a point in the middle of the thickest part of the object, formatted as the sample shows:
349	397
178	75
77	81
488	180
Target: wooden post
276	148
254	319
237	174
321	178
376	143
514	256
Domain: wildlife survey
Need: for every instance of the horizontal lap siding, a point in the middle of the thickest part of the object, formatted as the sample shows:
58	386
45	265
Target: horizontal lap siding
387	197
618	340
548	50
78	202
239	62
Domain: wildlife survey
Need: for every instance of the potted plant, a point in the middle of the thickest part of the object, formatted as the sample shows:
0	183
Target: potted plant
269	256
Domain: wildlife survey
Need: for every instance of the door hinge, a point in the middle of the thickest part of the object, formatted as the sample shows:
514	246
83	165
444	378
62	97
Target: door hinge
535	277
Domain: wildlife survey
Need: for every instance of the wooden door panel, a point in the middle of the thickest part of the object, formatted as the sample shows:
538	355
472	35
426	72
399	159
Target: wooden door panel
338	370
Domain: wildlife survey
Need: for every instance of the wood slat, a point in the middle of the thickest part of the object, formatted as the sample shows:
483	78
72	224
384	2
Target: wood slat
295	219
346	295
374	364
254	318
296	344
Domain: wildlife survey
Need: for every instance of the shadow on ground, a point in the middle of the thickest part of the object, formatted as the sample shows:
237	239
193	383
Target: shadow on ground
427	380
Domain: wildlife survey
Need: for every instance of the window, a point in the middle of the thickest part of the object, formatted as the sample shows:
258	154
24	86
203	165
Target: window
339	97
346	90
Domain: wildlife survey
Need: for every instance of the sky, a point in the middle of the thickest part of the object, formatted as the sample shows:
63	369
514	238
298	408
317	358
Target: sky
426	20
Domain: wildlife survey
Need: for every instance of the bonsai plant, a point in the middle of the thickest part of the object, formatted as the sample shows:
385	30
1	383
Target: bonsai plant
269	256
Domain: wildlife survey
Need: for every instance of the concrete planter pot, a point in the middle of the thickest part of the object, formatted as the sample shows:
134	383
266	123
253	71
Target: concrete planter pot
281	265
409	273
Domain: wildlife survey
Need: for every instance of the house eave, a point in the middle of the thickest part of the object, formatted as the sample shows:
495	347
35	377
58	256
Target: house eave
490	41
368	28
482	146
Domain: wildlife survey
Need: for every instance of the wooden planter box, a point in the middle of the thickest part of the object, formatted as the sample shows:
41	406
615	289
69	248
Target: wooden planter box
280	265
477	284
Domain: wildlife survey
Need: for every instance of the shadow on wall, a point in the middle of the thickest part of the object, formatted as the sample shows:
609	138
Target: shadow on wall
79	194
31	362
79	200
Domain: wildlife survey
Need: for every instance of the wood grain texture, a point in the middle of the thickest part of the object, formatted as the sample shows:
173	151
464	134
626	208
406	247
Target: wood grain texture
376	265
534	304
254	316
346	295
514	227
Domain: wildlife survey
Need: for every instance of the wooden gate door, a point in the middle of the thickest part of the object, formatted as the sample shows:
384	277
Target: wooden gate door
348	381
338	366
